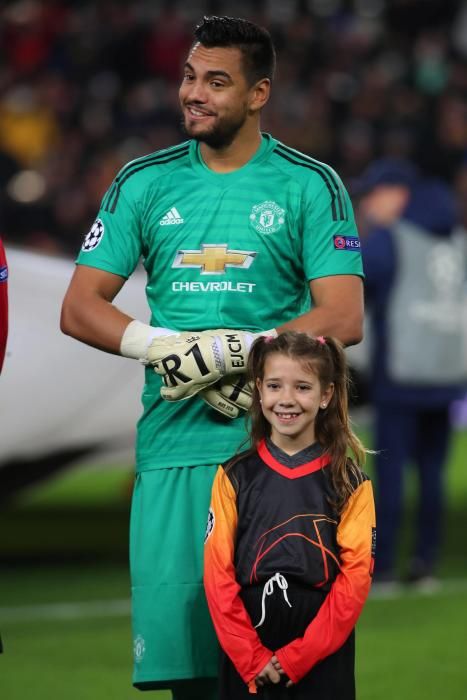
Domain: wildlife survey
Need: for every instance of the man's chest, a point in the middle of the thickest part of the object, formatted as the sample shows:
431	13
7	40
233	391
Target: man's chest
218	231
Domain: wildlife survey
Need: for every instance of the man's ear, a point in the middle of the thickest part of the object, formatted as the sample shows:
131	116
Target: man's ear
259	94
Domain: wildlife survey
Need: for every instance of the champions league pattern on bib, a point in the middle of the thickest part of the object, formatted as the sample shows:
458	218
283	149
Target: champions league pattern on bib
273	527
209	525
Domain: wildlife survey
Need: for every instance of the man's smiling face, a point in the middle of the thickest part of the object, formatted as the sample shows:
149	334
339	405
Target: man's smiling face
214	95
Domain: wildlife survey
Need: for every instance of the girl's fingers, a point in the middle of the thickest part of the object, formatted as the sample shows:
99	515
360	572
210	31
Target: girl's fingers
269	674
276	663
273	675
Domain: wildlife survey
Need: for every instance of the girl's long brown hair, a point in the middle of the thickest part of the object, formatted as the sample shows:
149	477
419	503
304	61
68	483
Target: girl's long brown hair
326	358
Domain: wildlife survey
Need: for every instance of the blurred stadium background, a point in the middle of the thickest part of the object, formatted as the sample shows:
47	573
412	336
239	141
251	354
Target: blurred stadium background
85	87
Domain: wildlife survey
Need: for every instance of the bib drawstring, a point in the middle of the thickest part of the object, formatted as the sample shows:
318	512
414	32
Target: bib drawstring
269	590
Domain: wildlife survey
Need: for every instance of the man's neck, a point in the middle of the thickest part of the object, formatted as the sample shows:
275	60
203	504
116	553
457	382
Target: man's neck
233	156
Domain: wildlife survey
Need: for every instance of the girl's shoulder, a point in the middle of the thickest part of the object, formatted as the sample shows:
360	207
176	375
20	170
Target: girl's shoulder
355	474
241	467
240	460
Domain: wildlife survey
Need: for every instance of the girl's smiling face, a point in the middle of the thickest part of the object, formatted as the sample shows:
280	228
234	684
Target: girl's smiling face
291	396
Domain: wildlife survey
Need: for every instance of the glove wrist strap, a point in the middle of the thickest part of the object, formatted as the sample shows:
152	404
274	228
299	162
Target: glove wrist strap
138	337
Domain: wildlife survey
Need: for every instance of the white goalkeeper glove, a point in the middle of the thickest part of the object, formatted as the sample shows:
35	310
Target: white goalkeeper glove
189	363
230	395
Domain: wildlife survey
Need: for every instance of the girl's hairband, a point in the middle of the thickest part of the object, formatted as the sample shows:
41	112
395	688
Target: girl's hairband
321	340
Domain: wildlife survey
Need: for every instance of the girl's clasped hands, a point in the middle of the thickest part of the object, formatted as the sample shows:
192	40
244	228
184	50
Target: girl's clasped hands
271	673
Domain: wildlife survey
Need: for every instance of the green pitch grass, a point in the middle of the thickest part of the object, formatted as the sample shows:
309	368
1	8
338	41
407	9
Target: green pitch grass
64	612
409	647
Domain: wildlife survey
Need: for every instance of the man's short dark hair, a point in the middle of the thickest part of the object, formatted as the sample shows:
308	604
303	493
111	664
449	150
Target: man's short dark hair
254	42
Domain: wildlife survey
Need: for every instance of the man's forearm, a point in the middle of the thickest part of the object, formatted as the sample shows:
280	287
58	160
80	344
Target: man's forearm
94	321
337	309
346	325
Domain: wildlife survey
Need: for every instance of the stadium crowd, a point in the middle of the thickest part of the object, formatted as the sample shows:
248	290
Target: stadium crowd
85	87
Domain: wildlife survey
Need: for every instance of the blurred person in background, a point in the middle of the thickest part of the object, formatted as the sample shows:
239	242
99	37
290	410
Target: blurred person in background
237	231
460	188
415	261
355	81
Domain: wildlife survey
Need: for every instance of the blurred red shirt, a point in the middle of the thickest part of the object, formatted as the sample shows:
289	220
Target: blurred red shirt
3	303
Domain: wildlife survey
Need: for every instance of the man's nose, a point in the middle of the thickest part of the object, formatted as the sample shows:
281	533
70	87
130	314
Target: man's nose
196	92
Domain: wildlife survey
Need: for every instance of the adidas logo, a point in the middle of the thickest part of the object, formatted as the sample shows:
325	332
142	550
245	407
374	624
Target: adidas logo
172	217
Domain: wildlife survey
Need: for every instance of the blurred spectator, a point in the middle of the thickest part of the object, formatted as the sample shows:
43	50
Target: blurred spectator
460	185
167	44
28	129
415	259
81	81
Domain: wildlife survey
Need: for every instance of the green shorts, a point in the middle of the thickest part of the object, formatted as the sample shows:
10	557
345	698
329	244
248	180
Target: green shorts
173	637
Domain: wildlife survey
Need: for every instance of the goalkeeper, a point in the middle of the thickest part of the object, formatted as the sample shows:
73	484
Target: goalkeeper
240	235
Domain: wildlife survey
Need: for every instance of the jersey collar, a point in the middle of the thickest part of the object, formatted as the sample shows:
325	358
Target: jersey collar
291	472
268	143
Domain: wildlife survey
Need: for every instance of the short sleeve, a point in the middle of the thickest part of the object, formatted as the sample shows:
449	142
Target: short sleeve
114	241
331	245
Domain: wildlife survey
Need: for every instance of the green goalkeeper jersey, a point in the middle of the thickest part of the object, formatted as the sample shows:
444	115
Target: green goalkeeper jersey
234	250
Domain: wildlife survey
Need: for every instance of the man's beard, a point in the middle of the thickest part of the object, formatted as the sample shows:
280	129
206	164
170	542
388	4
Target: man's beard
219	136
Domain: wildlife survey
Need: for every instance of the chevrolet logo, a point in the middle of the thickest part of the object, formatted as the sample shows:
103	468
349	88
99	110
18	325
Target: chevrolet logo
213	259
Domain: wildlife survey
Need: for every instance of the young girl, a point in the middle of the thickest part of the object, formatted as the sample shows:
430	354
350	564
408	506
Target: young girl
291	531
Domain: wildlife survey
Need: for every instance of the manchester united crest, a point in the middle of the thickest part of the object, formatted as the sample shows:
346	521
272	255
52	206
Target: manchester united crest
139	648
267	217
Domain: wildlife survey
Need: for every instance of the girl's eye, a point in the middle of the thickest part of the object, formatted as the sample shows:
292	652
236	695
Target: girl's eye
304	387
271	385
